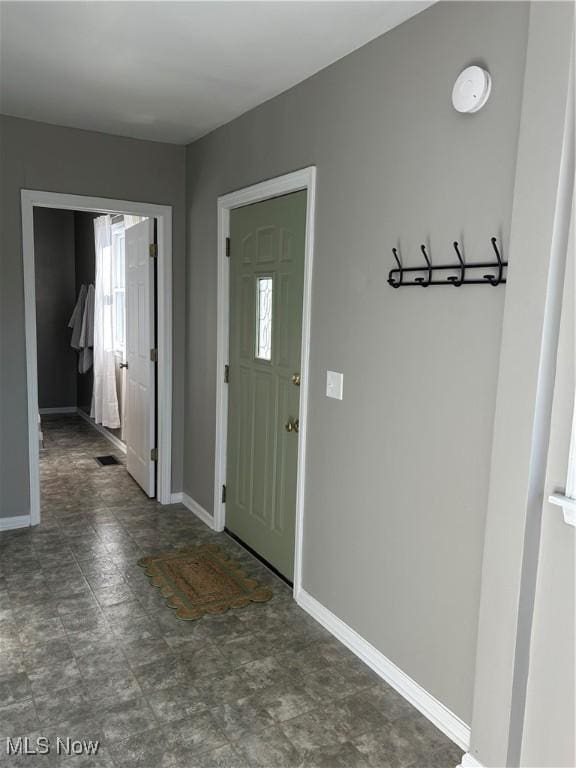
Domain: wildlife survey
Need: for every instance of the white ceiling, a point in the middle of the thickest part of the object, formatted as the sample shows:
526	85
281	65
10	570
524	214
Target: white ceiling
171	71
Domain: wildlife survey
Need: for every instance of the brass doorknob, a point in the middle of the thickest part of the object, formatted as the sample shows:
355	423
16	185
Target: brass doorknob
296	379
292	425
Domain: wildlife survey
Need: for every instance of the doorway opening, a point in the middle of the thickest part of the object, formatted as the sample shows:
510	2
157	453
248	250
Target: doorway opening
97	279
259	298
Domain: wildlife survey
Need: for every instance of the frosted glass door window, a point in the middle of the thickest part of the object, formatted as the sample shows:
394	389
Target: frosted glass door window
264	318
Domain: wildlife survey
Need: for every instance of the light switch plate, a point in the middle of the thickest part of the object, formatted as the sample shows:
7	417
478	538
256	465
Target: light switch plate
334	384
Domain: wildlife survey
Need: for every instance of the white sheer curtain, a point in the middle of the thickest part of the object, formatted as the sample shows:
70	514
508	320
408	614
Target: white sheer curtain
104	408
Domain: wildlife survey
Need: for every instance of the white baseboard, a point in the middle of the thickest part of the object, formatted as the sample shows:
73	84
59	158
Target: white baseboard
199	511
11	523
428	705
176	498
61	409
469	761
102	430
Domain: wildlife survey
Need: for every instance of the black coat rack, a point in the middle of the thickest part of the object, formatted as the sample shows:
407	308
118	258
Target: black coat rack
423	274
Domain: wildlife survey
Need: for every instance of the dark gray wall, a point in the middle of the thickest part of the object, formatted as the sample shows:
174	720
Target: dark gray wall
47	157
55	298
85	260
397	473
85	250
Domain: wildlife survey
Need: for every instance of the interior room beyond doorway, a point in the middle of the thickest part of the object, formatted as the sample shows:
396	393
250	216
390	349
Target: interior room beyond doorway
98	332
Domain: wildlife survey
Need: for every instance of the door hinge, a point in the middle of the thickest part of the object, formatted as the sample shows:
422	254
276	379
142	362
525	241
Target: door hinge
226	374
227	247
153	250
154	355
223	494
154	454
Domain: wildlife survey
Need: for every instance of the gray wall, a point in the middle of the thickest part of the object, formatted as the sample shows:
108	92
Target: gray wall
397	474
85	260
55	298
46	157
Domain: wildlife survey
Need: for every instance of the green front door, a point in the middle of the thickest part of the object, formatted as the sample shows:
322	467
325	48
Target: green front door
266	280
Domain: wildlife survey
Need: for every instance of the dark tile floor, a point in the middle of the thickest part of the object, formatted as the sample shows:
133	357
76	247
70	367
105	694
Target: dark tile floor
89	650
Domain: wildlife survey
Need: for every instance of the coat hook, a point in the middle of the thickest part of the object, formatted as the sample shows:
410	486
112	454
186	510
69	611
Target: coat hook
491	279
420	280
459	273
457	281
392	282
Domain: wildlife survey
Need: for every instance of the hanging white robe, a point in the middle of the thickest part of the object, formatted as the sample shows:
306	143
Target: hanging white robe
77	317
87	333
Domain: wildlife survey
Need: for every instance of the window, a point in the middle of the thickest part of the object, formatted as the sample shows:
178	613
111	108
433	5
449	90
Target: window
264	318
118	288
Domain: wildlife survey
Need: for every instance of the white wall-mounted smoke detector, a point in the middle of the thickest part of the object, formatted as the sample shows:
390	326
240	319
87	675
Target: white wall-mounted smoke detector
471	89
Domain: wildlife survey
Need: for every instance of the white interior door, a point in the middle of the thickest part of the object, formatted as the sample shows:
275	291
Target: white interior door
140	340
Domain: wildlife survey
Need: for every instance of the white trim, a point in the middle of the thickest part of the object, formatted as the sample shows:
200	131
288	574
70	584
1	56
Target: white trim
449	723
163	216
290	182
164	346
61	409
31	359
177	498
469	761
199	511
102	430
568	507
12	523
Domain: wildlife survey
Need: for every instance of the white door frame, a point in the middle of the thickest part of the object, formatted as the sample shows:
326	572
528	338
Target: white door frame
282	185
163	215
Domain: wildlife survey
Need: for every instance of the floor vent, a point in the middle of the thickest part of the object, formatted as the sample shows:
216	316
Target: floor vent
107	461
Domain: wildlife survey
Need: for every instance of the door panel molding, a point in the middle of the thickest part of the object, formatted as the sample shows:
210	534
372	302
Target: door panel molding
304	179
140	422
163	215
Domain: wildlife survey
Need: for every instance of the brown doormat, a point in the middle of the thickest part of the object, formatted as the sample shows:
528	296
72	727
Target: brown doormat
201	580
